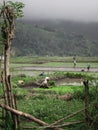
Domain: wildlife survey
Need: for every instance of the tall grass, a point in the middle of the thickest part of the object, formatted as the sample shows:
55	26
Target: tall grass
45	104
50	109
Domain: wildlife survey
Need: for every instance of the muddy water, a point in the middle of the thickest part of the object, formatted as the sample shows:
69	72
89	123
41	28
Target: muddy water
69	81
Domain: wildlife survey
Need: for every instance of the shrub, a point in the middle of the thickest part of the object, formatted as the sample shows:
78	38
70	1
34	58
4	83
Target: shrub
52	83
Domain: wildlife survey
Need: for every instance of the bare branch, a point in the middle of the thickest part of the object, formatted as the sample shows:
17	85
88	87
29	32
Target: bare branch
93	120
28	116
1	13
20	113
66	117
69	123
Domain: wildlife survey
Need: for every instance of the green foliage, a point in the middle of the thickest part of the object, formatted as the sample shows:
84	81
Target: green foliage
80	94
66	89
16	7
79	75
58	74
51	83
8	121
46	105
26	79
49	109
8	12
73	75
20	93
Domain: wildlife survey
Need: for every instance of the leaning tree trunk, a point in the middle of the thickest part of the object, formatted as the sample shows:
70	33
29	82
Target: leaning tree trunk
6	59
9	11
8	35
87	114
6	73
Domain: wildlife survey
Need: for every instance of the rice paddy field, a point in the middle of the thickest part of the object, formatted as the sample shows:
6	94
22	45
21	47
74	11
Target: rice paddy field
61	99
53	62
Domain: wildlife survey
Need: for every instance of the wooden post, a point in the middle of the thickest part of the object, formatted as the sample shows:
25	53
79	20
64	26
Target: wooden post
8	12
87	117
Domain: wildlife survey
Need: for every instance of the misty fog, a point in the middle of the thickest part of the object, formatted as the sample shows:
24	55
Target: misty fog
78	10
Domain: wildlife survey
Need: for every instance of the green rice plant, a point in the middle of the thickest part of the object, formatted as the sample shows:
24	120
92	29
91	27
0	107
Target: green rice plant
8	121
74	75
20	93
65	89
45	104
49	109
59	75
25	79
51	83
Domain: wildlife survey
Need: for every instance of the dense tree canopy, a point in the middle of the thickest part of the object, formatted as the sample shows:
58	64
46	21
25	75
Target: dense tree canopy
42	38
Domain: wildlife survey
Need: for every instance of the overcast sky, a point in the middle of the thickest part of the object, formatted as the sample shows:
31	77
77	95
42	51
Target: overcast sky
79	10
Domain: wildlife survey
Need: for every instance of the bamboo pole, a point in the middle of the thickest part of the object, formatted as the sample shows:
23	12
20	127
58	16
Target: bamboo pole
7	31
12	103
4	88
69	123
17	117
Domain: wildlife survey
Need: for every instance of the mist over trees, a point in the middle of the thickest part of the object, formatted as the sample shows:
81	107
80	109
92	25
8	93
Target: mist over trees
61	38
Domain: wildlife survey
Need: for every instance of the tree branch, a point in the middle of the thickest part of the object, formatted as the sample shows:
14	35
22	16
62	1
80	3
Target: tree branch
20	113
66	117
27	116
69	123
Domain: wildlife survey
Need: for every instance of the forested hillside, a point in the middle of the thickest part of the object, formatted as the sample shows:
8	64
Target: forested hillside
55	38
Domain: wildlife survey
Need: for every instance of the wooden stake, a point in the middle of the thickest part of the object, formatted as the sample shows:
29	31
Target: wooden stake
87	117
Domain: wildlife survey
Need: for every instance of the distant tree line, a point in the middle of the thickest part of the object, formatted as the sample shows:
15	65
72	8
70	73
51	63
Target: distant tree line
49	39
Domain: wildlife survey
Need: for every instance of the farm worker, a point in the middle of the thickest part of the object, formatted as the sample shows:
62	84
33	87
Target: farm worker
20	81
88	66
45	83
74	61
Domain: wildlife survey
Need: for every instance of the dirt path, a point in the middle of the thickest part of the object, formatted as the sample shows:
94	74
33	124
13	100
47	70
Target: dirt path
56	69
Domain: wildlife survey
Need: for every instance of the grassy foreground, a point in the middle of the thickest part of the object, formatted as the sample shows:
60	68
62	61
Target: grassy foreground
47	104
